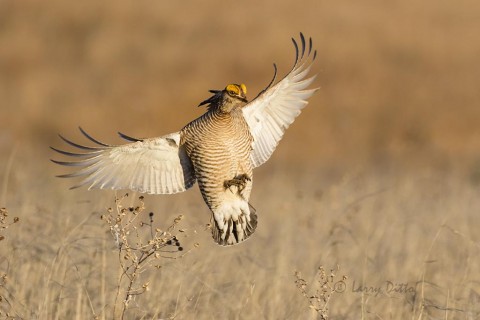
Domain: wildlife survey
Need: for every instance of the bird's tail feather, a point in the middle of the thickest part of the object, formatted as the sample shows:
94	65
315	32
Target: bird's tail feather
234	227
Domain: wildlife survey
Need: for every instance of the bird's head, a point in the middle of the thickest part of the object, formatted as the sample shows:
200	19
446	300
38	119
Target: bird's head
233	96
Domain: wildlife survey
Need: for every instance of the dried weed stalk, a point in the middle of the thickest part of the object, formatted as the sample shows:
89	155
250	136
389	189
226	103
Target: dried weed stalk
139	251
5	222
321	290
5	303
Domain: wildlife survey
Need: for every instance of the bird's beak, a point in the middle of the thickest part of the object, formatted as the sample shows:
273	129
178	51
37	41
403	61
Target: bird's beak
212	98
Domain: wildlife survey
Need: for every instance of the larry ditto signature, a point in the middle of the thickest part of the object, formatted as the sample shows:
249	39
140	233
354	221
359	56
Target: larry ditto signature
387	288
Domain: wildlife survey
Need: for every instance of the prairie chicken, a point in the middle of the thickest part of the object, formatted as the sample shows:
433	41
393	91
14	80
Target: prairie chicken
220	149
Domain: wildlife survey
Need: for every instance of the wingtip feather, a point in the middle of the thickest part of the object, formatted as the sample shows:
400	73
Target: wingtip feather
302	39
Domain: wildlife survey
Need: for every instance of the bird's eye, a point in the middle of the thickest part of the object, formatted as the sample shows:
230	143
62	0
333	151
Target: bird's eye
231	92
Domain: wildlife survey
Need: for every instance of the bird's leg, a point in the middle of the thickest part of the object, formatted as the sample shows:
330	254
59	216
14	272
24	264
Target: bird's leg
240	181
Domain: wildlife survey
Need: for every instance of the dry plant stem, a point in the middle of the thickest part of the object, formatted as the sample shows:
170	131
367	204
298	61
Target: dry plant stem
7	174
138	251
320	292
5	222
424	271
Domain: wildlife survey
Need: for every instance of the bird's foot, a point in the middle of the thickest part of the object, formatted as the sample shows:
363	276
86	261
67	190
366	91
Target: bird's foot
240	181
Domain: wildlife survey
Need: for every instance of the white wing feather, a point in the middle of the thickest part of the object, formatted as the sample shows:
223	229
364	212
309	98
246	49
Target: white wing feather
155	166
276	107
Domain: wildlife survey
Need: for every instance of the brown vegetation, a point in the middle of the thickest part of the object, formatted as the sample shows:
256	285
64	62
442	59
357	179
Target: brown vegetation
380	174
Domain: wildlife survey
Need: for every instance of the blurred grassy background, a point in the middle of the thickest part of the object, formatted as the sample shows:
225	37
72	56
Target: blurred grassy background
379	174
397	78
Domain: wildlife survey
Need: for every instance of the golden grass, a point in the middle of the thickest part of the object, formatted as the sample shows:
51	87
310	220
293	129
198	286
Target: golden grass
410	233
379	175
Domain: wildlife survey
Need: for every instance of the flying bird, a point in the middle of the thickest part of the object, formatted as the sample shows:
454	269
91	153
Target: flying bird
219	150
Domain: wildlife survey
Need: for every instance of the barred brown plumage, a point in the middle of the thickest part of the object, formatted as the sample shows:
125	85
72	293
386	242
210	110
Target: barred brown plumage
219	145
220	149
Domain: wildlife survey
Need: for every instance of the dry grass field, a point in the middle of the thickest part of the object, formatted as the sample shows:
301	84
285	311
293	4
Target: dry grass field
379	176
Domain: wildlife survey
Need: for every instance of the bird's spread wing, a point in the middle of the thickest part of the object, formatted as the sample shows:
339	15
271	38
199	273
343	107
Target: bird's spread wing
277	106
155	166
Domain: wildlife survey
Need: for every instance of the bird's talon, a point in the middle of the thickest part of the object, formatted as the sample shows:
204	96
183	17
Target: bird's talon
240	181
